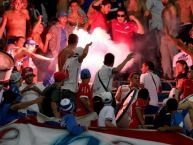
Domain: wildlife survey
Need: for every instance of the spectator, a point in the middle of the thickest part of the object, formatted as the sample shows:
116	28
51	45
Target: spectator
84	95
68	119
152	83
97	18
185	14
73	65
52	96
15	21
107	115
76	16
138	109
123	30
58	34
123	90
167	49
29	89
68	51
138	9
168	119
103	79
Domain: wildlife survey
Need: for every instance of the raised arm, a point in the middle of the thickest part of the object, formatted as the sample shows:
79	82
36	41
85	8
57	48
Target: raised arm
120	66
140	29
85	52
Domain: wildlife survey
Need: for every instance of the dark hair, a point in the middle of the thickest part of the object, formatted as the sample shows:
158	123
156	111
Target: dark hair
72	39
109	59
73	1
132	74
183	62
105	2
150	65
143	94
171	105
122	9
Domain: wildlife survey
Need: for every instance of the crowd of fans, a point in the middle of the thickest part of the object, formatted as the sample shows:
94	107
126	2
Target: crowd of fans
45	78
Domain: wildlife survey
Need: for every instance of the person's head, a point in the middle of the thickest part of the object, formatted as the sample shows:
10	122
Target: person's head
30	45
62	18
74	5
15	78
181	67
85	75
105	6
147	66
59	77
19	41
190	72
66	106
73	39
121	15
28	75
17	4
171	105
109	59
144	94
134	79
107	97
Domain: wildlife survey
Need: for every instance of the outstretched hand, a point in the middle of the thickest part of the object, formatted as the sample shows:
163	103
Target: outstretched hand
130	56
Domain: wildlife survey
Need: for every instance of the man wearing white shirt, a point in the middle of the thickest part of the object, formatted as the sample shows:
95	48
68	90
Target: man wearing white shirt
151	82
30	90
104	79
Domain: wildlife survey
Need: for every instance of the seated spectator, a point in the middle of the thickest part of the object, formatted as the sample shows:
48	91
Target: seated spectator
10	106
29	89
138	108
188	84
168	119
52	96
68	119
124	90
107	115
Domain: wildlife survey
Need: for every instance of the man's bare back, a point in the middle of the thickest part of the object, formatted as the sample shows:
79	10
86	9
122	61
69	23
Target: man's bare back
186	10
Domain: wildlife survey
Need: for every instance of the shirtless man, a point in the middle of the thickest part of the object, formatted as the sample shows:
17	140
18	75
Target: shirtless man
15	20
186	13
167	49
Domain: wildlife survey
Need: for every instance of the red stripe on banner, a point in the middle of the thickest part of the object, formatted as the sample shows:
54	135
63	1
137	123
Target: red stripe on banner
150	135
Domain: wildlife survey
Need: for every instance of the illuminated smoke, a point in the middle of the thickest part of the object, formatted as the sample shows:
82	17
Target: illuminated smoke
101	44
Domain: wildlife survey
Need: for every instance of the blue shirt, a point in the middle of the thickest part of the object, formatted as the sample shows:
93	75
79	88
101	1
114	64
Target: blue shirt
69	121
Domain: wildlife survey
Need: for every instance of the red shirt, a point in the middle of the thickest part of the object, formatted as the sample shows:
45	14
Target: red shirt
123	32
97	19
140	103
83	91
188	88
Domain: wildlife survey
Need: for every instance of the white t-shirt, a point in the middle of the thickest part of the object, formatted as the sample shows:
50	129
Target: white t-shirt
73	66
106	76
107	113
31	95
182	56
147	81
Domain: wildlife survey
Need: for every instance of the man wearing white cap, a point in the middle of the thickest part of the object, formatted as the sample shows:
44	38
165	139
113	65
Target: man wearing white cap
68	119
